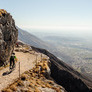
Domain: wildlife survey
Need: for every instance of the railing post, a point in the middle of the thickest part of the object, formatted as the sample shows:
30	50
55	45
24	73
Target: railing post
41	56
36	58
19	70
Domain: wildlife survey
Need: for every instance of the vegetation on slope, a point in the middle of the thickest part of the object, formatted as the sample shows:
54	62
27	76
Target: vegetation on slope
35	80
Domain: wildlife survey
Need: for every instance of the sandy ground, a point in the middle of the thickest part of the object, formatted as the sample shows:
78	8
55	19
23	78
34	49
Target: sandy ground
26	62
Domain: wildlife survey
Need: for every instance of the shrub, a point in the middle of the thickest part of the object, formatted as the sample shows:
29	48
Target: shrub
24	77
38	82
7	90
43	86
0	14
13	87
20	83
37	90
31	85
48	85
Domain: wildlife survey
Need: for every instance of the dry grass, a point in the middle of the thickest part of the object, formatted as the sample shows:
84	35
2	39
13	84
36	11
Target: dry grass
50	82
32	76
26	72
43	86
2	11
33	82
31	85
37	90
0	14
37	70
38	82
40	64
13	88
7	90
48	85
37	85
24	77
43	71
20	83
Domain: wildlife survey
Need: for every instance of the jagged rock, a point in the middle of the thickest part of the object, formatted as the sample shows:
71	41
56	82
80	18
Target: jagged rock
8	36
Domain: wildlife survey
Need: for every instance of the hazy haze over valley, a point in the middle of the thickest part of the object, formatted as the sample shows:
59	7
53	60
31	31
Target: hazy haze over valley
74	47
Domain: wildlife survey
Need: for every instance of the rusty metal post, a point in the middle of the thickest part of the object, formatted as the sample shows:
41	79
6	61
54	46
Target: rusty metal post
36	58
41	56
19	70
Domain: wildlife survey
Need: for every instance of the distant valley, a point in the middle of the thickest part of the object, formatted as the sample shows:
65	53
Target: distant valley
75	51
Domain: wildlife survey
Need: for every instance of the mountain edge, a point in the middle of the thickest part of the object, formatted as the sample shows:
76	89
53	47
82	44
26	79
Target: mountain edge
65	75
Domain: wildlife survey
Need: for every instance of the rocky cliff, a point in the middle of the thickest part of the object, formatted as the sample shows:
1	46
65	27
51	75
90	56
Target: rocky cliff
8	35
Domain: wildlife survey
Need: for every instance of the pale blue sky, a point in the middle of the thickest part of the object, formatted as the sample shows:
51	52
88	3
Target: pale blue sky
50	14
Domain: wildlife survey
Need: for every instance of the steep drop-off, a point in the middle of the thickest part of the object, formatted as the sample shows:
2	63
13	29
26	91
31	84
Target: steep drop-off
66	76
8	35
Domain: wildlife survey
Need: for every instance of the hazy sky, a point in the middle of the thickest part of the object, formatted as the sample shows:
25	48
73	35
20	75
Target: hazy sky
50	14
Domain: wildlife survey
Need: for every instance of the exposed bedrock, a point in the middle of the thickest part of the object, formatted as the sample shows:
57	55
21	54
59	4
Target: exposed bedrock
8	36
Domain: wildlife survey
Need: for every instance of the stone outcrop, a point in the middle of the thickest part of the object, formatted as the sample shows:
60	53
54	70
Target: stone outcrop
8	35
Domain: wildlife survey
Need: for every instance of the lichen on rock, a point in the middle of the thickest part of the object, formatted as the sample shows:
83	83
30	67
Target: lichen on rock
8	35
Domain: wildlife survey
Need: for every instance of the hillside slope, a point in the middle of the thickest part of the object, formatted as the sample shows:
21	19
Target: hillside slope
66	76
72	56
63	74
32	78
60	66
31	39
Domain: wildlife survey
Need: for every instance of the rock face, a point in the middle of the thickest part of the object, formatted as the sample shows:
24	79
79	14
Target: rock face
8	35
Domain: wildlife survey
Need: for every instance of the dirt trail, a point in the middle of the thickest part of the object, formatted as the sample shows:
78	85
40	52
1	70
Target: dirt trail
26	62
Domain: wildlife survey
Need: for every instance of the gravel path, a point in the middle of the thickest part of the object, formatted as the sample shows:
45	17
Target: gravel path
26	62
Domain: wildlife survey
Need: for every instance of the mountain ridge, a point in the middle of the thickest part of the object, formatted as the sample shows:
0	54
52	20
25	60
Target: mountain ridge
34	41
66	74
73	55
